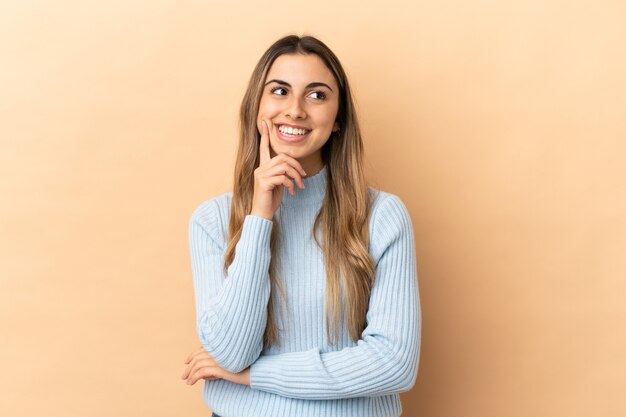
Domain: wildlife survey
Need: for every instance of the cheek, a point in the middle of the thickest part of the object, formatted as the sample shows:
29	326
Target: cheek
328	119
268	108
328	115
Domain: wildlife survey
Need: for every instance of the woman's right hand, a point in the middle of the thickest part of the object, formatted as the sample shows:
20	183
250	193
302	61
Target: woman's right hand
272	175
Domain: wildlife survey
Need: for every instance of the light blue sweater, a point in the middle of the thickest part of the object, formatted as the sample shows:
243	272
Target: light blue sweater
305	376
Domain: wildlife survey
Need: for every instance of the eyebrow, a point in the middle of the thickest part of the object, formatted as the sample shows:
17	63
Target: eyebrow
314	84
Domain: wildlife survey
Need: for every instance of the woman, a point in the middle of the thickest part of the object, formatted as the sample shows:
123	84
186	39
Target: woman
305	277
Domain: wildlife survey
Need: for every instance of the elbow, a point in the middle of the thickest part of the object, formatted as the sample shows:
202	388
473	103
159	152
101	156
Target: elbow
398	363
408	365
405	371
226	360
234	351
403	383
408	382
241	360
231	356
399	375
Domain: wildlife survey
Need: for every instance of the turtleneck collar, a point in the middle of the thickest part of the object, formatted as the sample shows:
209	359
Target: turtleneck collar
313	193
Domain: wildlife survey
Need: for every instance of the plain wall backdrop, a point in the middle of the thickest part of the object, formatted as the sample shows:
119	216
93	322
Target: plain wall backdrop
500	124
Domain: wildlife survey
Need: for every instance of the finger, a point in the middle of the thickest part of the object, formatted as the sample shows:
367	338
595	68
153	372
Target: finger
194	354
282	180
286	169
193	367
272	130
287	183
187	371
211	371
291	161
191	355
264	146
196	357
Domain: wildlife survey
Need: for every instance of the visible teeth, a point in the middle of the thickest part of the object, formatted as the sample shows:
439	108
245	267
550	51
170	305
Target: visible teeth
292	131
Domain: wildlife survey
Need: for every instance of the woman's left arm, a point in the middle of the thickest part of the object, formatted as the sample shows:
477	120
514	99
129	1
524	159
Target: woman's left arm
385	359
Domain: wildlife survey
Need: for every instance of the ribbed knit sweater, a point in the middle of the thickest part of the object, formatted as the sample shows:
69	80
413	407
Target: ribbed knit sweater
305	376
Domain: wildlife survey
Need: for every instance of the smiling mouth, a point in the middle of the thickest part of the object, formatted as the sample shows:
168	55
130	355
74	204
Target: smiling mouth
293	132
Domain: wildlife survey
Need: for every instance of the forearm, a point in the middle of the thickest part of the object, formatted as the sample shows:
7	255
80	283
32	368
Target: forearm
376	366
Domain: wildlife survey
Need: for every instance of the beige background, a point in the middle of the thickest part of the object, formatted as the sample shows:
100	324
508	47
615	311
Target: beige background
500	124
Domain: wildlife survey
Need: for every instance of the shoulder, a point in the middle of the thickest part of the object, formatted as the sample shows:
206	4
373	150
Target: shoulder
386	206
390	221
212	215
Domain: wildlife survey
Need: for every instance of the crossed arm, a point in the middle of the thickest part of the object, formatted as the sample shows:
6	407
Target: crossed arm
384	360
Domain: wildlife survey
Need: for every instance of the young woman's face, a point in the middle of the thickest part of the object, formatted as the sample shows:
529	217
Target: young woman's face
300	92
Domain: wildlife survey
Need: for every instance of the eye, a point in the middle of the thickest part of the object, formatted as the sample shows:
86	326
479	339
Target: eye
321	95
275	89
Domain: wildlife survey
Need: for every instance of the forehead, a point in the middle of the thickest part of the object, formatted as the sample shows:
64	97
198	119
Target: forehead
298	69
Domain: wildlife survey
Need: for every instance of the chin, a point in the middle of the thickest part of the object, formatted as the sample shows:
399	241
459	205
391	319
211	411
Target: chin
286	149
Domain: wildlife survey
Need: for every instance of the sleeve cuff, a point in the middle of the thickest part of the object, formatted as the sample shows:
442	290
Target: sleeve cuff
256	230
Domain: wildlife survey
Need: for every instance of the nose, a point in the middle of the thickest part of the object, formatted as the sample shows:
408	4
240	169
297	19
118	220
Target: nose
294	108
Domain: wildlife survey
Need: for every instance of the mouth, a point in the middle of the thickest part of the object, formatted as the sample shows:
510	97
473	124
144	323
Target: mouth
292	134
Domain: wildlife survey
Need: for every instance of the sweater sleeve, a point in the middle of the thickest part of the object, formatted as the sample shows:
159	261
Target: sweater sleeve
231	310
385	358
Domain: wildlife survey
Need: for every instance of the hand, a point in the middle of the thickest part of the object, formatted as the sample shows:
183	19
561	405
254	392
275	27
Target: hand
272	175
202	365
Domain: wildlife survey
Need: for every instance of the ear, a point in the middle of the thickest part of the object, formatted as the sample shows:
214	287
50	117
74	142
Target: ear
336	127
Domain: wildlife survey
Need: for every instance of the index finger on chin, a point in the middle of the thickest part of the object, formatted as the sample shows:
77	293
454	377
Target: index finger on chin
264	146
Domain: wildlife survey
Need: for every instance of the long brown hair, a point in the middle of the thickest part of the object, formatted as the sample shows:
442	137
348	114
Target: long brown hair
343	217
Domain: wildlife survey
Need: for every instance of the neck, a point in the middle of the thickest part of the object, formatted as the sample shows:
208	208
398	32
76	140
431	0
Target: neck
313	192
312	165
